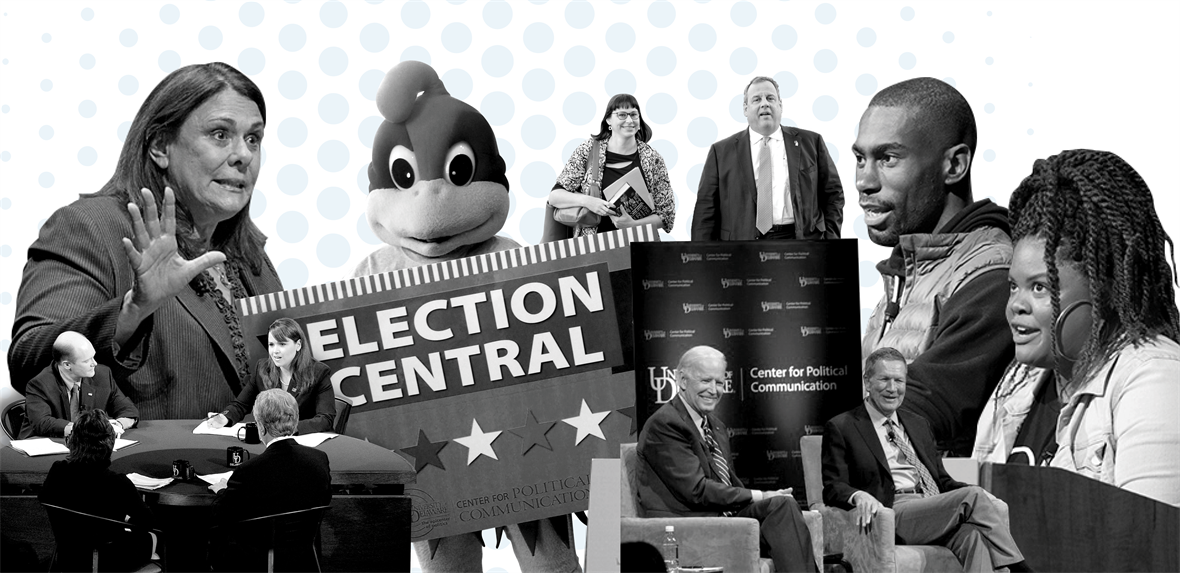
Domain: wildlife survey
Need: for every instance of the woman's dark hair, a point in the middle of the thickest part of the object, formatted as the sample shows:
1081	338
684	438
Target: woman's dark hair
158	123
1094	210
93	438
285	329
618	102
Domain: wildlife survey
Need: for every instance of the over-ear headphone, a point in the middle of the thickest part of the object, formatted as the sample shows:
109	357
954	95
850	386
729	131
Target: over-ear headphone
1071	331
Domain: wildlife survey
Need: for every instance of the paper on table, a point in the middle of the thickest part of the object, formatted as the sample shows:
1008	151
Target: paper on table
120	443
214	478
38	447
231	431
144	482
313	440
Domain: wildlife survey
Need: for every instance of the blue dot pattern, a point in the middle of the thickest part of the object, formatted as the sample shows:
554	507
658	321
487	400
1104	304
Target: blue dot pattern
542	73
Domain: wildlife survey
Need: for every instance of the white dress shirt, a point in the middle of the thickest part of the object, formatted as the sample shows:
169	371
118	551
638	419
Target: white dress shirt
784	212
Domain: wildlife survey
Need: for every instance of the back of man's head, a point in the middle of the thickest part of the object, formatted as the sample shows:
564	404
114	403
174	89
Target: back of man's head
276	412
940	108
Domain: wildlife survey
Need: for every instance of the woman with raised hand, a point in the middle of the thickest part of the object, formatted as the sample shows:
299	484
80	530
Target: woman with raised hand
152	267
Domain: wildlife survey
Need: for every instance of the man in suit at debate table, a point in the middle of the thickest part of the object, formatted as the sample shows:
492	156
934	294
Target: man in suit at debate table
287	476
687	469
73	383
768	181
876	456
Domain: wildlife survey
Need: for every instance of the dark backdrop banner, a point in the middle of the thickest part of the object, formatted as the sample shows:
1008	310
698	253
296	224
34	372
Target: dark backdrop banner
498	376
785	313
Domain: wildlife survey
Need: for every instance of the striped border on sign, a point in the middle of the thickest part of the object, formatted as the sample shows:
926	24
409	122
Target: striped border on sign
445	270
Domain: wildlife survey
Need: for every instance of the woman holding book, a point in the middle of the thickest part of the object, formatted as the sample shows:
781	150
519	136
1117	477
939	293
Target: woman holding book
290	367
590	176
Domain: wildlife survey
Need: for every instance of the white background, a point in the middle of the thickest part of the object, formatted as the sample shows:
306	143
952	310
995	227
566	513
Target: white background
1040	76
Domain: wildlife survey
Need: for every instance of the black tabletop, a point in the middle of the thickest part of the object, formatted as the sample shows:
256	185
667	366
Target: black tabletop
354	462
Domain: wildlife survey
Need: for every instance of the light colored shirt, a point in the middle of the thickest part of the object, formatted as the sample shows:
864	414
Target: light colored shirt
784	212
905	475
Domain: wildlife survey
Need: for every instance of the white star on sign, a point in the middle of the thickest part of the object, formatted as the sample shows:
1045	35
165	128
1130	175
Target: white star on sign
479	442
587	423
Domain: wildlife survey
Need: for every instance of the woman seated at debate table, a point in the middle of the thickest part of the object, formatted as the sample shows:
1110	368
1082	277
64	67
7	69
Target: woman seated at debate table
291	368
150	268
1092	306
622	146
83	482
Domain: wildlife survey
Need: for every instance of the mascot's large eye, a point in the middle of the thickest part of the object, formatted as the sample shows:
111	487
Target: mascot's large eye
460	164
403	166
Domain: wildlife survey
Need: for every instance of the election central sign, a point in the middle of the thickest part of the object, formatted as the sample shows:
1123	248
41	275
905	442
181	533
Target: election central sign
498	376
785	314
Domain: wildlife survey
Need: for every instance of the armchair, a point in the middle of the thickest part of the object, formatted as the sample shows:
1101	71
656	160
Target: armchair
729	542
875	551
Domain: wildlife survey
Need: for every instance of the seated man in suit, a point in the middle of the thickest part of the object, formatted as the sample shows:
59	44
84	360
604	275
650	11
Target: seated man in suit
74	382
288	476
687	470
876	456
768	181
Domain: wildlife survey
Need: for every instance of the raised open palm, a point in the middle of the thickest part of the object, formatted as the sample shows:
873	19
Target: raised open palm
160	271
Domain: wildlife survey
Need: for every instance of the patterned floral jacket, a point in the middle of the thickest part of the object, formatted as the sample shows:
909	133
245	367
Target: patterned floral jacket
576	179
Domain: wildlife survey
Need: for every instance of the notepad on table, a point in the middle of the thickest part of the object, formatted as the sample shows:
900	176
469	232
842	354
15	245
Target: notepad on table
120	443
313	440
212	479
144	482
38	447
231	431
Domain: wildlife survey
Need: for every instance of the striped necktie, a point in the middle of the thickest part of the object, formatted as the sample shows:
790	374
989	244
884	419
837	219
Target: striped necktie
74	405
929	488
720	466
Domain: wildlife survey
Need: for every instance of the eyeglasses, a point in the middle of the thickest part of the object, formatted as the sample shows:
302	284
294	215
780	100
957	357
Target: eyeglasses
625	115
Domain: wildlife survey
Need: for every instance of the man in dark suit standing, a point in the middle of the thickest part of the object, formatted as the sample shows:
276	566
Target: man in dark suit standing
768	181
74	382
687	470
288	476
876	456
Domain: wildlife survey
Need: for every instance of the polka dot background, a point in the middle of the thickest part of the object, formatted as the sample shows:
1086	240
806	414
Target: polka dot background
73	74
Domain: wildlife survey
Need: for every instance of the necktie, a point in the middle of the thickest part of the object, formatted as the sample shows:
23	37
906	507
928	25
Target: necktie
74	403
765	192
929	488
719	464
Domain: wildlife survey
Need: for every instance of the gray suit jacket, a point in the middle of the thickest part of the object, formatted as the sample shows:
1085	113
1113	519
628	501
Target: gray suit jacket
75	279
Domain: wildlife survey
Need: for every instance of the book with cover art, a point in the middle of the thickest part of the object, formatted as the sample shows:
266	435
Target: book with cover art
630	194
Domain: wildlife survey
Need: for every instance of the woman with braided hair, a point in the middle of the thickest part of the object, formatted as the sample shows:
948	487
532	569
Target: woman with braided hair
1093	315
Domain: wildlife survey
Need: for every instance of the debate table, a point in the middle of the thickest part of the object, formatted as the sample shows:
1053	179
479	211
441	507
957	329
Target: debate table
360	532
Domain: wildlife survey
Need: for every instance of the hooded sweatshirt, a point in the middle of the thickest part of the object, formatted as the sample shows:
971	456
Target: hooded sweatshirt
955	283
